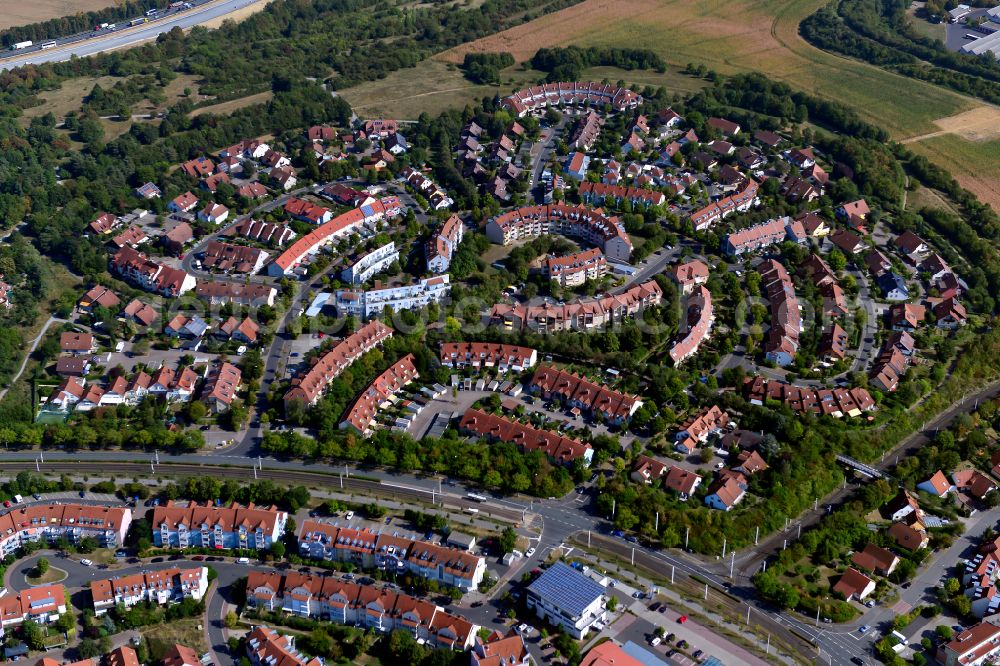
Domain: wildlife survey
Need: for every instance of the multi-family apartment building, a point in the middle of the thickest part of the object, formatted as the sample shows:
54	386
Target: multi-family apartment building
574	269
782	342
757	237
51	522
221	293
219	527
159	587
557	447
578	391
381	392
367	606
587	314
44	604
443	244
368	213
368	303
595	228
480	355
371	264
392	554
309	386
135	267
742	200
577	93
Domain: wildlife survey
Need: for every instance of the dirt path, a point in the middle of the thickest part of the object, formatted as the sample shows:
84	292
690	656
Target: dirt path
27	356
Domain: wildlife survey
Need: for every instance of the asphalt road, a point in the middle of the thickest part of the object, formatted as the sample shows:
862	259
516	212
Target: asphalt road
83	46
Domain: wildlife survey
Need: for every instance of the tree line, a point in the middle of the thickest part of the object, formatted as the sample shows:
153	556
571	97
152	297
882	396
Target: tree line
568	63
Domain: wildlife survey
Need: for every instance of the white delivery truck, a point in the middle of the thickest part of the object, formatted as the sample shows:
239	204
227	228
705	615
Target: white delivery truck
20	45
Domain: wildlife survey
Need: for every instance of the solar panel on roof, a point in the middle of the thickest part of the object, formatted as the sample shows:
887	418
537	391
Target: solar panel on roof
566	588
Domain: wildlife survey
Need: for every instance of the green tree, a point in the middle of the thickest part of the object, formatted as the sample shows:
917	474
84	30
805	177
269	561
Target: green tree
42	567
508	540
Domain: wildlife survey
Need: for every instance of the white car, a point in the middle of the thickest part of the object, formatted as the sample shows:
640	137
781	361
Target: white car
522	629
656	641
531	551
86	563
350	515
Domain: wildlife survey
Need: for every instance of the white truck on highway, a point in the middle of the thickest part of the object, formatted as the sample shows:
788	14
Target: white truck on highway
20	45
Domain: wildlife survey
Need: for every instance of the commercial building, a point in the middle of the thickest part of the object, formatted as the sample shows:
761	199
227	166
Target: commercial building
392	554
371	264
367	606
218	527
566	598
559	448
597	229
309	386
368	303
159	587
51	522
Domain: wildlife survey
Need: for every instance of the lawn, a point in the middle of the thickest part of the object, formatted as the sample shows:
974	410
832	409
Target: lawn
923	197
232	105
68	97
186	631
53	575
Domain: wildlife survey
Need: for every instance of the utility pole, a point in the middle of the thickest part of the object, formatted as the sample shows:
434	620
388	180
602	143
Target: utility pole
657	528
764	567
784	544
748	613
37	469
706	591
260	463
817	615
767	648
756	536
672	569
614	505
799	535
255	471
588	538
732	564
347	471
41	455
633	556
157	455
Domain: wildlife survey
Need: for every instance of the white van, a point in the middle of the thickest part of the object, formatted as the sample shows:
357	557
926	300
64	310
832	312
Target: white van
243	560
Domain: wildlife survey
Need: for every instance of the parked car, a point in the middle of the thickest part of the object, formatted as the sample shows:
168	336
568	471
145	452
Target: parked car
682	619
656	641
86	563
863	629
697	654
530	552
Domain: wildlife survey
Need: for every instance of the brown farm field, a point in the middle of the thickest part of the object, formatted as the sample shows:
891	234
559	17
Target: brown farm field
974	164
16	13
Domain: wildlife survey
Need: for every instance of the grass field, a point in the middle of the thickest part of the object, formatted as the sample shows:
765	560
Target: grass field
923	197
16	13
434	86
234	104
162	637
974	164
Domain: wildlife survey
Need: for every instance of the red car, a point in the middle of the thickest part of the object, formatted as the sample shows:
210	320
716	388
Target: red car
682	619
7	504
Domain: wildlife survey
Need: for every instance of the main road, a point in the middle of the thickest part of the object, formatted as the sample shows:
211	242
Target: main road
90	43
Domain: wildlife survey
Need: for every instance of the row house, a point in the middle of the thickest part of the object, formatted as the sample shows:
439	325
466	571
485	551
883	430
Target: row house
372	302
585	132
365	606
266	647
745	198
756	237
782	343
133	236
230	258
327	232
697	325
571	93
578	391
587	314
173	385
838	402
592	226
436	196
221	386
689	275
51	522
480	355
575	269
245	331
218	527
151	276
309	386
443	244
222	293
601	193
382	391
158	587
392	553
558	448
267	233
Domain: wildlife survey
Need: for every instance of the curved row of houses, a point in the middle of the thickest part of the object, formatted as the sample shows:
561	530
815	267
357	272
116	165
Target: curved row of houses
575	92
698	325
602	231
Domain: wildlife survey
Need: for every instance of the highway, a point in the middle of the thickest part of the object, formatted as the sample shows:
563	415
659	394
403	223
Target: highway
90	43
